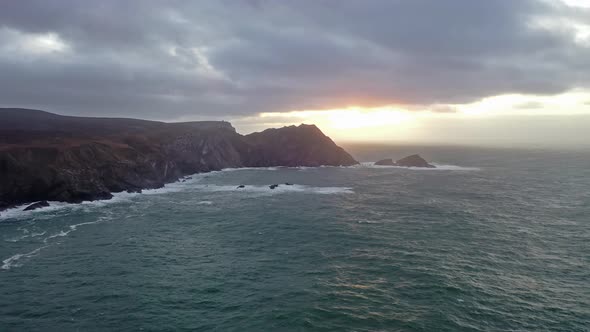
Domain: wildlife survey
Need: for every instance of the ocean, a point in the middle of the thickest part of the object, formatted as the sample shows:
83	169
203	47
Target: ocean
492	240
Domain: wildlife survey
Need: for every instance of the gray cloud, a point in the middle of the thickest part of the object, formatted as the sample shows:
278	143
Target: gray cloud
183	59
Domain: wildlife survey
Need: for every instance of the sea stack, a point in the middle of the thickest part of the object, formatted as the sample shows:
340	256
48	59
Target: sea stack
410	161
414	161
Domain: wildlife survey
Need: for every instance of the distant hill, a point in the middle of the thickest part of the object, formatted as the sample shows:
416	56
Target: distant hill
45	156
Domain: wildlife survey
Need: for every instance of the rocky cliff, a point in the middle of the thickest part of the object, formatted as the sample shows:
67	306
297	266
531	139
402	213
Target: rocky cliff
304	145
45	156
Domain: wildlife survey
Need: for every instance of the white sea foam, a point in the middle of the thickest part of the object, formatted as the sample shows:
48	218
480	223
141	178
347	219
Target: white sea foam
18	213
71	229
12	261
54	207
74	227
186	183
281	189
368	222
455	168
16	239
60	234
27	235
205	203
247	169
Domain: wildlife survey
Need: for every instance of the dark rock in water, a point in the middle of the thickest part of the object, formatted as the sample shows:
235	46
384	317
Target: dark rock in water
241	186
409	161
413	161
272	186
385	162
4	206
288	184
37	205
82	196
46	156
188	178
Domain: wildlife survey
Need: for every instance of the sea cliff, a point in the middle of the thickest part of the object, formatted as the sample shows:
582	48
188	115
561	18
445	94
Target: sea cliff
45	156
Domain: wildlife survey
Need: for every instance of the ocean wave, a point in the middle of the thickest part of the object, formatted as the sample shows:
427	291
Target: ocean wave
60	234
72	228
455	168
27	235
275	168
18	213
281	189
12	261
368	222
185	183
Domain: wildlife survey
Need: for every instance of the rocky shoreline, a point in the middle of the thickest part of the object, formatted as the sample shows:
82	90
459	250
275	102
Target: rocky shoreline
49	157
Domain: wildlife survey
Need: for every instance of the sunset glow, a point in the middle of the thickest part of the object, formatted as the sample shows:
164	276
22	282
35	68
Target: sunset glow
361	71
349	118
396	122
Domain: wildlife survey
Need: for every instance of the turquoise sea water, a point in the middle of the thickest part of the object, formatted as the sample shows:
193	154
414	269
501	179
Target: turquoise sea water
498	242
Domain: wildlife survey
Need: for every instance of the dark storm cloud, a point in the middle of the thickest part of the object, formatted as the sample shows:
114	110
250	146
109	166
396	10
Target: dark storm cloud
178	59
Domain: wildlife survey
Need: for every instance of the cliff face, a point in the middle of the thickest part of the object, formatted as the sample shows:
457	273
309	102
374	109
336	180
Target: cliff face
44	156
304	145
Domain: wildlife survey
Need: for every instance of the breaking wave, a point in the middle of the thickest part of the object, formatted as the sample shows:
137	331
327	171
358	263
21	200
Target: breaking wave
281	189
13	261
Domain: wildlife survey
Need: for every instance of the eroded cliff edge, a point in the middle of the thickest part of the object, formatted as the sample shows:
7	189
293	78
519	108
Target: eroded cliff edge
44	156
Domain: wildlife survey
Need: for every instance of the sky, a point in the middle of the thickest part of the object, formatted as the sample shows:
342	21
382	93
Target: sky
494	72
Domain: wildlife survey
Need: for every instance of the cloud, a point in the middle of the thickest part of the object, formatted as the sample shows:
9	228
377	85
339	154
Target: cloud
217	59
443	109
529	105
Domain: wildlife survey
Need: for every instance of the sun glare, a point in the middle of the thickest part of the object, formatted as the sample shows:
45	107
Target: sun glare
44	43
348	118
396	122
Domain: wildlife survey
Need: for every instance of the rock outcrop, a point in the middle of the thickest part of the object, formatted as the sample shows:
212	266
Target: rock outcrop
44	156
413	161
36	206
303	145
409	161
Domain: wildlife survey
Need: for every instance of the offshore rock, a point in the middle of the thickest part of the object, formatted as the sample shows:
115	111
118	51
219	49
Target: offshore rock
36	206
413	161
410	161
